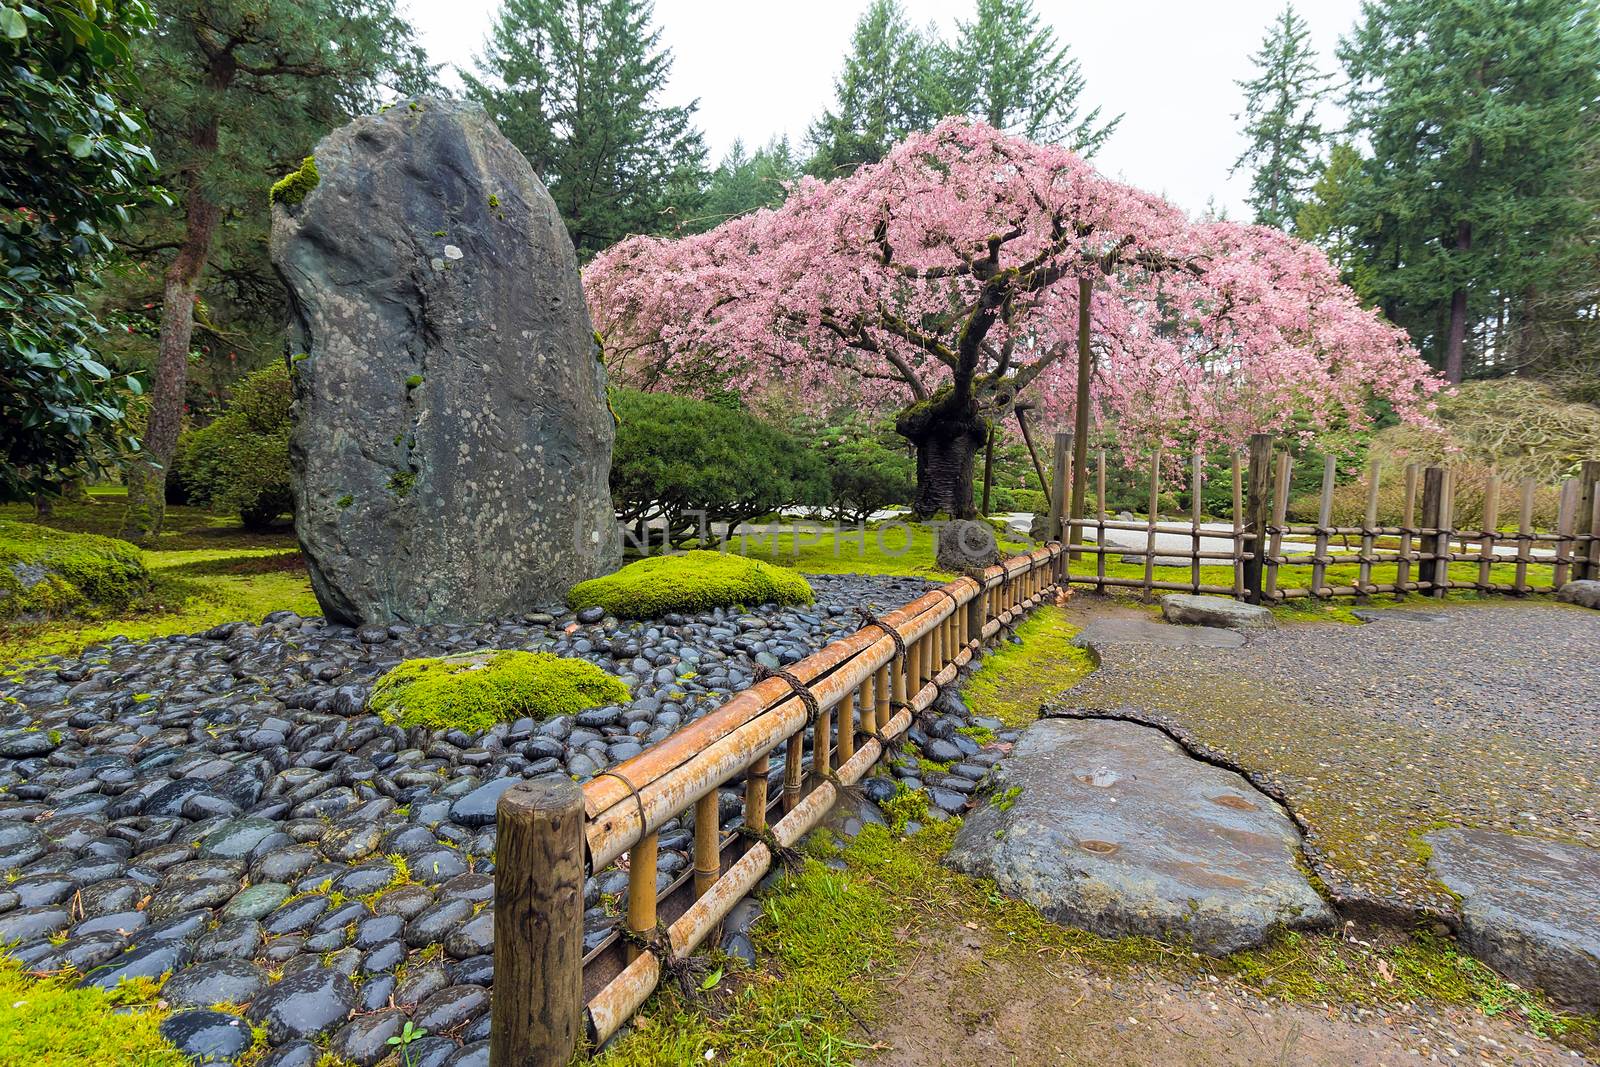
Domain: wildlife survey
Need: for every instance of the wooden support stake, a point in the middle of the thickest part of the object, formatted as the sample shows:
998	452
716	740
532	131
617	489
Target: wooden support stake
1238	529
1429	575
1319	566
1258	500
1408	538
642	869
1058	490
822	746
1100	525
1588	551
1525	536
1150	537
1368	538
1194	519
1274	526
536	1015
881	697
1566	524
793	769
1491	521
707	844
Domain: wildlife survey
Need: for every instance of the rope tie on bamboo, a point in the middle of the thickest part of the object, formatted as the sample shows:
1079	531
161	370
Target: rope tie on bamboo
782	855
632	792
807	697
870	619
845	790
687	971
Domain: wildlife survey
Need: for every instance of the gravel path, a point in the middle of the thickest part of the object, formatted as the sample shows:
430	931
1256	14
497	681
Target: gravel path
1484	715
221	806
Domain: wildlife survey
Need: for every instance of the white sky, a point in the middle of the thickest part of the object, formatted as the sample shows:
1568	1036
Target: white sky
760	68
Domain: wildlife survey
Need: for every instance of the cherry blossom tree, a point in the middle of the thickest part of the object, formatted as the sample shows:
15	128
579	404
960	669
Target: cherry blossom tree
946	283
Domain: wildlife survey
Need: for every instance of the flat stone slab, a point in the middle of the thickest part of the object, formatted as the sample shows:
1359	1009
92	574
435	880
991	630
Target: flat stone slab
1584	593
1529	908
1230	614
1110	826
1400	614
1149	632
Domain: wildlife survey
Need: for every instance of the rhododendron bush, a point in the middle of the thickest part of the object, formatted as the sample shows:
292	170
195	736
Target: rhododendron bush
944	283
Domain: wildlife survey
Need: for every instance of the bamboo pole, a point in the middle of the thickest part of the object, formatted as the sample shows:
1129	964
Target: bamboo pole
1258	503
642	867
1491	520
1100	515
1238	529
1150	537
1525	536
880	695
1194	519
707	843
755	793
793	769
1368	537
1408	533
822	744
1566	522
1319	567
1280	511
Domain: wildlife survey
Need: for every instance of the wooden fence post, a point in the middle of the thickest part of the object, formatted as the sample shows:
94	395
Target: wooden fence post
1429	570
537	1008
1588	524
1058	495
1258	494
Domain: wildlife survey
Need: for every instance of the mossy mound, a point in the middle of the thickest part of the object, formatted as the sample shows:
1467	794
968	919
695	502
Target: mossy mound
689	582
45	573
475	690
293	187
47	1021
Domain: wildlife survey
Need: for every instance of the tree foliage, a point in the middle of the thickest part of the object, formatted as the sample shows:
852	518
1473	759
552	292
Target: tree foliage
867	471
72	164
944	282
1280	114
745	181
239	462
1482	124
576	85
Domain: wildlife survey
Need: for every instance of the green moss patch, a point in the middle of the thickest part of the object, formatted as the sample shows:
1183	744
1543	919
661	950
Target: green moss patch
48	1022
478	689
293	187
1014	680
688	582
45	573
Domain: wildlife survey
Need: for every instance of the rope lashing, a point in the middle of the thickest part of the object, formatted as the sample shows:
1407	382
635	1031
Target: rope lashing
687	971
783	855
894	635
807	697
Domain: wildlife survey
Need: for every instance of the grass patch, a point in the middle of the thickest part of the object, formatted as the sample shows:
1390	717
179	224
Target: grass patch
1014	680
894	548
475	690
46	1021
832	943
204	570
689	582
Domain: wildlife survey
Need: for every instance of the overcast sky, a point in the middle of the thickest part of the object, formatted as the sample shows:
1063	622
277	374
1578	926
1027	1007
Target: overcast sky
760	68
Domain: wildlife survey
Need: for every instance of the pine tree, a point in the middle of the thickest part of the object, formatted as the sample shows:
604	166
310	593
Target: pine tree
237	92
1324	217
744	182
1481	118
1280	114
1007	69
893	83
575	84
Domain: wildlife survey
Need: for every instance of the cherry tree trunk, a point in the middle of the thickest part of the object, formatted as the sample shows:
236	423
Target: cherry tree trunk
948	434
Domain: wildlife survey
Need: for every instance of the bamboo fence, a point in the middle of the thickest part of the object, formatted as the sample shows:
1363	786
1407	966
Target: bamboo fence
1295	560
852	699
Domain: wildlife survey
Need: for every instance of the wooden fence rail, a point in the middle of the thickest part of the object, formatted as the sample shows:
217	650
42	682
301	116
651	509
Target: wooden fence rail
1272	559
851	699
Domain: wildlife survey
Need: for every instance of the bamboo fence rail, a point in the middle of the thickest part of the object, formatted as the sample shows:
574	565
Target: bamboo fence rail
1296	559
851	699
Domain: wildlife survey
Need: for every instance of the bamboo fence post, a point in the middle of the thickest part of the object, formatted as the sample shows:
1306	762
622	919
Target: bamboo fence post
1100	526
1150	537
1491	520
1238	529
1588	547
1566	523
880	699
822	745
1257	503
1433	489
974	623
1319	562
642	867
1525	536
1280	514
1447	520
755	793
1194	520
1369	523
707	843
536	1015
898	668
1408	534
793	769
1058	487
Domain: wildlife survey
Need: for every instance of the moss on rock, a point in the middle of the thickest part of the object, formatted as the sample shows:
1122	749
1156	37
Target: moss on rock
688	582
476	690
46	573
293	187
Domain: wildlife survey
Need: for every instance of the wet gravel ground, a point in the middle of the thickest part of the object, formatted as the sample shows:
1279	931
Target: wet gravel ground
221	806
1481	715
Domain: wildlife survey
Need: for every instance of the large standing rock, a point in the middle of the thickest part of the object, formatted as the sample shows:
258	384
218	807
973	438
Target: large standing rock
1585	593
452	442
1112	827
965	545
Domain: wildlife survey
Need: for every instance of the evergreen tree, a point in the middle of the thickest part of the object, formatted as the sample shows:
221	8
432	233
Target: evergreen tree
744	182
894	82
1481	118
1007	69
1280	114
575	84
1324	218
238	91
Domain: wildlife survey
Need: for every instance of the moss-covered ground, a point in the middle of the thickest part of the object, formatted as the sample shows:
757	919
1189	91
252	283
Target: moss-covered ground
1016	679
47	1022
689	582
475	690
835	940
205	569
893	548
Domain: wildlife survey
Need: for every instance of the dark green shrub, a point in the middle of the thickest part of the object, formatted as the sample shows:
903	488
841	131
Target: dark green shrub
688	461
689	582
46	573
240	461
866	473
